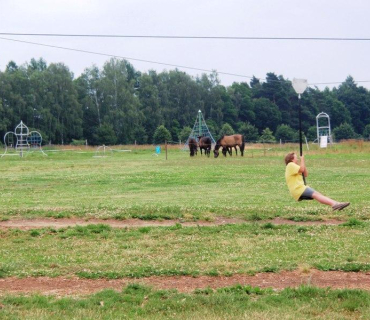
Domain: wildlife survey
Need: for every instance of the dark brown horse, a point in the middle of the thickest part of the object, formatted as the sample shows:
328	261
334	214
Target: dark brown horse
193	147
205	143
229	142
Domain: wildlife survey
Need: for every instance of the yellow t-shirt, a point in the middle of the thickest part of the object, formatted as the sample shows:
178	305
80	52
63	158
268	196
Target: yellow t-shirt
294	180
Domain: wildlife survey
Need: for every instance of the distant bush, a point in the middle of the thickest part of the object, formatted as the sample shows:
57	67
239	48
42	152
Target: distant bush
162	134
312	133
366	133
105	134
286	133
185	133
249	131
344	131
267	136
78	142
226	130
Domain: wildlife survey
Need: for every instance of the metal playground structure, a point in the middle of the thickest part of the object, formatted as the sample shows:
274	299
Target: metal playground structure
200	129
323	129
22	140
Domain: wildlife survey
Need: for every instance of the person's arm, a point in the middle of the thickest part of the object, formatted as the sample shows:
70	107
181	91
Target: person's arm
303	168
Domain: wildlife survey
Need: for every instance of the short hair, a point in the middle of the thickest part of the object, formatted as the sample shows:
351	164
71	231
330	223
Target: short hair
289	157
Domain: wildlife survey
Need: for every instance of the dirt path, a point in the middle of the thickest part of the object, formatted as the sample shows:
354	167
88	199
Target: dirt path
75	286
27	224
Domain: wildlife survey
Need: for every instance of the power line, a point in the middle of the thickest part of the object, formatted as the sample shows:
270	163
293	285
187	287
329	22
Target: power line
163	63
183	37
339	82
128	58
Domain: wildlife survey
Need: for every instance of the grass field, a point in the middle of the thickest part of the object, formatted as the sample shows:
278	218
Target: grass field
101	252
238	302
137	184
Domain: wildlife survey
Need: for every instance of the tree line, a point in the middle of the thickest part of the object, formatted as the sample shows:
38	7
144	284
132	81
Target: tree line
118	104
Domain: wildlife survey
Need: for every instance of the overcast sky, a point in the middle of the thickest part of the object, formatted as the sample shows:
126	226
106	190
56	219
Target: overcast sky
316	61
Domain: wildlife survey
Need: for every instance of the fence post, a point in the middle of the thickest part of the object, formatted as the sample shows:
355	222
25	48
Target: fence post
166	148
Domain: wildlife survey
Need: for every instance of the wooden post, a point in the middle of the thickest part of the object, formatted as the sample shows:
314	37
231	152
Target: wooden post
166	148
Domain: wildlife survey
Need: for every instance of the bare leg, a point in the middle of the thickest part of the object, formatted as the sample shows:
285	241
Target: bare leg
322	199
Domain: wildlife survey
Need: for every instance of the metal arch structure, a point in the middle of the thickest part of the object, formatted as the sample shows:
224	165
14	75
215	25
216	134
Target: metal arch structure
200	129
21	131
34	140
10	139
323	130
101	151
23	137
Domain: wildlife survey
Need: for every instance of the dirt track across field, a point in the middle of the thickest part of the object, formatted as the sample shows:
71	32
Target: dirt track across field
75	286
27	224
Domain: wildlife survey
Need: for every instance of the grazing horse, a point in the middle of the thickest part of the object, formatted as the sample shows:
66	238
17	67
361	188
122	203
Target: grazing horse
229	142
193	147
227	150
206	144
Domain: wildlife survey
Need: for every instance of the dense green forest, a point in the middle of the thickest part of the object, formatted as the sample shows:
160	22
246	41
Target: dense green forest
120	105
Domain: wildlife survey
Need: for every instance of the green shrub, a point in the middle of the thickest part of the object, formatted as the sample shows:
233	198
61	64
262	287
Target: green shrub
78	142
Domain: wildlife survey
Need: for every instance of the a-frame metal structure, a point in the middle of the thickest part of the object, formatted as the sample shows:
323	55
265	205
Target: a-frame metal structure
323	127
200	129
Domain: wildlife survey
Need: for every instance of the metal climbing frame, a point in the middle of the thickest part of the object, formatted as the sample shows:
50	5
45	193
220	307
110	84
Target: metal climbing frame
323	127
24	140
200	129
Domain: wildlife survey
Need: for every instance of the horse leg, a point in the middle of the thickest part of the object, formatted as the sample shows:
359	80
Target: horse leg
242	149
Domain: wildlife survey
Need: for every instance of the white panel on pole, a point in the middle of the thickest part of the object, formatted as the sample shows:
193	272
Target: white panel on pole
323	141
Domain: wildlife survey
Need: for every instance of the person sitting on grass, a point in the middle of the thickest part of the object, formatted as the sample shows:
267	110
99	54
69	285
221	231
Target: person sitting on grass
294	179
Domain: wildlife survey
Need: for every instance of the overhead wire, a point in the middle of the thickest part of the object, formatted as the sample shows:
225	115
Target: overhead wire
168	64
183	37
129	58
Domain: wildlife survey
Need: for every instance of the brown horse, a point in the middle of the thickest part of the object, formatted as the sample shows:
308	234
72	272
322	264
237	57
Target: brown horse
228	142
206	144
227	150
193	147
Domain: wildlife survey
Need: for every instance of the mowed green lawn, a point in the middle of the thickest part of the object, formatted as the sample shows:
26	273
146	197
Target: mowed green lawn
98	251
237	302
140	184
